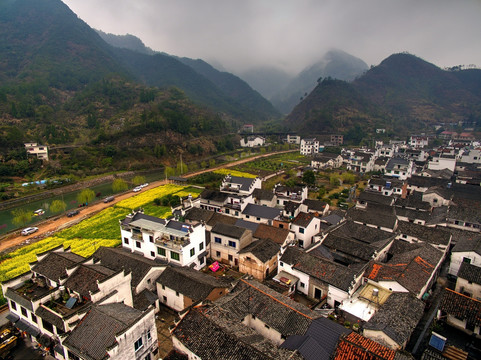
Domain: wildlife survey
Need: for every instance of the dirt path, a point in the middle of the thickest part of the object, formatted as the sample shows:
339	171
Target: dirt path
50	226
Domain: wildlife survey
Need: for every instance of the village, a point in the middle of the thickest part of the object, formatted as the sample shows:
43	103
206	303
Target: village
391	269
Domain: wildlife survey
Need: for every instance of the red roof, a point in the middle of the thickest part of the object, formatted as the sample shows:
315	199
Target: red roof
355	346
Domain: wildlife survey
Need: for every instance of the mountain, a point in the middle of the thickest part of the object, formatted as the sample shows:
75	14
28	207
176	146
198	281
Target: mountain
266	80
218	89
402	94
127	41
335	64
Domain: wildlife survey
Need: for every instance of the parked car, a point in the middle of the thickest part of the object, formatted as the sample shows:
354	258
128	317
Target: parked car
137	189
73	212
29	230
109	199
144	185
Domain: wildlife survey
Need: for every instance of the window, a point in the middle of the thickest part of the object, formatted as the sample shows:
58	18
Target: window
137	244
247	216
218	240
24	311
165	298
151	238
301	230
147	357
465	260
231	258
152	254
177	293
281	263
126	241
201	261
258	219
161	251
163	287
47	326
138	344
201	246
192	252
302	285
217	253
232	244
174	256
301	243
13	305
34	318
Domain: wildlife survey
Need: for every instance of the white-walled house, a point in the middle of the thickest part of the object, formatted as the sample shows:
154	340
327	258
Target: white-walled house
40	151
442	161
240	185
305	226
399	168
116	331
172	241
252	141
417	141
465	250
309	146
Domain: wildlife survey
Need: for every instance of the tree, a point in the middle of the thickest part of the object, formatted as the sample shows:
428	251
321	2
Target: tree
21	216
119	185
334	180
169	171
308	177
138	180
58	206
182	168
85	196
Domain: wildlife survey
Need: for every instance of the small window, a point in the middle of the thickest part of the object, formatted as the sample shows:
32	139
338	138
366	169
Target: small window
13	305
218	240
258	219
192	252
174	256
301	230
201	261
147	357
232	244
152	254
281	263
138	244
138	344
24	311
281	226
34	318
217	253
151	238
247	216
177	294
302	285
465	260
201	246
126	241
161	251
163	287
231	258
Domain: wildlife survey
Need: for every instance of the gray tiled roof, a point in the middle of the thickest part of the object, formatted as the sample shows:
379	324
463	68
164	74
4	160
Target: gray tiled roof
325	270
262	194
375	197
245	183
394	162
250	297
119	258
320	340
252	226
144	299
351	247
265	212
360	232
470	272
264	250
469	244
377	215
54	264
214	195
303	219
315	205
232	231
96	332
397	317
198	214
84	279
435	236
191	283
208	340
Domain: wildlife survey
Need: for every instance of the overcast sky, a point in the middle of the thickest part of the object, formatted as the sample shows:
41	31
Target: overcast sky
291	34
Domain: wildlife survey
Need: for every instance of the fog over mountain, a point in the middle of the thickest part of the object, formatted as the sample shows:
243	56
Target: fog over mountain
292	35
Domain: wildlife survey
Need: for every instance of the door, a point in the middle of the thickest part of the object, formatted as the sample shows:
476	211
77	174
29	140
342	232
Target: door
317	293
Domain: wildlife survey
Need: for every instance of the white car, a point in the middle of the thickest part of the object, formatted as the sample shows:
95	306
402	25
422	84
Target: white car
29	230
137	189
144	185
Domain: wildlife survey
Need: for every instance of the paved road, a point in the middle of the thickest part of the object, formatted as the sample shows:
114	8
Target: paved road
48	227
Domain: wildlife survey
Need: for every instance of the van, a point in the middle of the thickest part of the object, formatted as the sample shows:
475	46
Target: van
109	199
